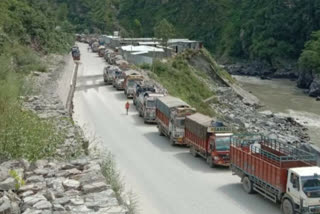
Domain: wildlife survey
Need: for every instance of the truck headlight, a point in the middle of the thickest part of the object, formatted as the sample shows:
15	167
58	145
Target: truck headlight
216	158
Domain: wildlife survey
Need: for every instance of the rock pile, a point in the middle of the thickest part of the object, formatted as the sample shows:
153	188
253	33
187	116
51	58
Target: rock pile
242	116
52	108
52	187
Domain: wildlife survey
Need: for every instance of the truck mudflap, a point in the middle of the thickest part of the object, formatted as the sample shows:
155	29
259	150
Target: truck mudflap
179	141
150	120
221	163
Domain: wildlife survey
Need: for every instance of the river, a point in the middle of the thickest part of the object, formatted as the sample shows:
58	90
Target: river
283	98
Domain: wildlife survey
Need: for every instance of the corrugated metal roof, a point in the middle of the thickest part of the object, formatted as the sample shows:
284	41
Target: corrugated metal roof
172	101
141	48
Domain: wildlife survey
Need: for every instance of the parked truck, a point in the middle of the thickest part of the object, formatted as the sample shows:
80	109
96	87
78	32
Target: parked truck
109	73
278	171
170	116
208	138
75	52
141	88
95	47
146	106
101	51
131	77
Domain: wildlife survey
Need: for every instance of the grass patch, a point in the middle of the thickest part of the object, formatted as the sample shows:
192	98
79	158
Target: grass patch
220	71
22	133
181	81
113	177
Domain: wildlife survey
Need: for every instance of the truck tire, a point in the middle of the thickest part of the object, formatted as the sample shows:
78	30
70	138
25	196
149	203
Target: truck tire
193	151
247	185
160	132
172	142
286	207
210	162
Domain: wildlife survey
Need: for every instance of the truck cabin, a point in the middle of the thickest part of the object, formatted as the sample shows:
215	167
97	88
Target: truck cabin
179	115
150	100
144	88
220	142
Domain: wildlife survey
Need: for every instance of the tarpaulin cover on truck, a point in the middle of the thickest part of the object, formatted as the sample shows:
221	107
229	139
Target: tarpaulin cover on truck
198	124
164	104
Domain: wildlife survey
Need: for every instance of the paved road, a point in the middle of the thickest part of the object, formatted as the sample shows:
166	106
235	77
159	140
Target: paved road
166	179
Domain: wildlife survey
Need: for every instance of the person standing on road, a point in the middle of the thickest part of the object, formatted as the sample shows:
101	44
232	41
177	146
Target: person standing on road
127	106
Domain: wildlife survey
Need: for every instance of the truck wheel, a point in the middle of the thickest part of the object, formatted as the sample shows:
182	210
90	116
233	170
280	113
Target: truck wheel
210	162
193	151
287	207
247	185
172	142
160	132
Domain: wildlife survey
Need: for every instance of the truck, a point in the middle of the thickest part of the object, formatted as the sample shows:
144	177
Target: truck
146	106
209	139
170	117
141	88
101	51
95	47
131	77
278	171
118	74
75	51
109	73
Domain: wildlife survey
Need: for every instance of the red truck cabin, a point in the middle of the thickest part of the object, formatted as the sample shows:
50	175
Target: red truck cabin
220	148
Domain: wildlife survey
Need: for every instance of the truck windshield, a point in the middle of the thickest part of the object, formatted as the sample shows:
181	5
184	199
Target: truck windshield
311	186
222	143
180	122
131	83
151	104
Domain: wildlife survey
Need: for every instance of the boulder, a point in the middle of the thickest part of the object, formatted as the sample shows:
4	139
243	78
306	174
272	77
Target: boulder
113	210
58	207
32	211
95	187
32	200
42	205
314	90
71	184
8	184
305	79
35	179
5	206
61	201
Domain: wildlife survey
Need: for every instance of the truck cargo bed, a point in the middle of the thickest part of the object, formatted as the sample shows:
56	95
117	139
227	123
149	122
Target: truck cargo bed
267	160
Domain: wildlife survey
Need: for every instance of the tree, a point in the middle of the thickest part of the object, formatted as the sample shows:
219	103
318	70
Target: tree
164	30
137	27
310	57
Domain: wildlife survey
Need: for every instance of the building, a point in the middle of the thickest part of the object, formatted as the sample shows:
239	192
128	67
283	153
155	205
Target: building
141	54
180	45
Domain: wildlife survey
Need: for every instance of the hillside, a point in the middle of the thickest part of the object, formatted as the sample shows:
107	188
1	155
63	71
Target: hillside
247	29
29	30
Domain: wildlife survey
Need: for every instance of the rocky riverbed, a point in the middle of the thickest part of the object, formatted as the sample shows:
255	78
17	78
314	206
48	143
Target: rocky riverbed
70	182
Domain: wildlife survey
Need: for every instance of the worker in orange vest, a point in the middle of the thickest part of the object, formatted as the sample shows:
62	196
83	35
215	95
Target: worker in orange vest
127	106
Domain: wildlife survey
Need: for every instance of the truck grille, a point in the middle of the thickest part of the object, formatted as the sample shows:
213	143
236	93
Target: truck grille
225	157
315	209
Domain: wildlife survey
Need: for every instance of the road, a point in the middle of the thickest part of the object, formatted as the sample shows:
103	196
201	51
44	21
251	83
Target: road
166	179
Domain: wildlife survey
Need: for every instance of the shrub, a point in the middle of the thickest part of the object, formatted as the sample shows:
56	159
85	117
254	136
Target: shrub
22	133
181	81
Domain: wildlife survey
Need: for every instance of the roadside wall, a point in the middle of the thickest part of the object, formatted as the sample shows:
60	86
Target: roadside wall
65	79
